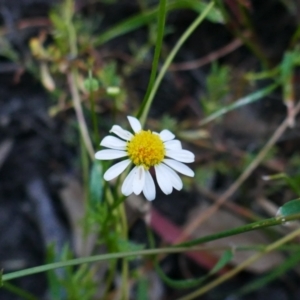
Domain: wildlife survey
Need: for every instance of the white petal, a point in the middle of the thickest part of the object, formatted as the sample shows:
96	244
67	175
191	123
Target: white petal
174	144
110	154
179	167
181	155
173	176
127	186
122	133
149	187
166	135
139	180
116	169
135	124
162	179
113	143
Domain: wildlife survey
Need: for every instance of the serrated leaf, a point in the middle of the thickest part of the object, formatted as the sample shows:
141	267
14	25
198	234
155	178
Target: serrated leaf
290	208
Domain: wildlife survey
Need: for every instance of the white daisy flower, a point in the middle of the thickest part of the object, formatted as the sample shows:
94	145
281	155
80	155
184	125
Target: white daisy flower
146	149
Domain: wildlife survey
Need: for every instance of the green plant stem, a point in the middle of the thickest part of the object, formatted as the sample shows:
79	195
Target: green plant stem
249	227
289	263
72	76
94	117
109	278
141	19
241	266
125	272
254	47
174	249
18	291
159	40
110	201
206	214
90	259
85	176
122	229
241	102
147	103
69	12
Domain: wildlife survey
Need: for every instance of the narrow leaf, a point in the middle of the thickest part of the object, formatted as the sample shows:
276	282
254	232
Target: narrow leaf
223	261
142	19
290	208
96	183
189	283
277	272
179	284
142	289
241	102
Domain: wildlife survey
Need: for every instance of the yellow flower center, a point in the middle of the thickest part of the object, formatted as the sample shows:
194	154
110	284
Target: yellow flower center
146	149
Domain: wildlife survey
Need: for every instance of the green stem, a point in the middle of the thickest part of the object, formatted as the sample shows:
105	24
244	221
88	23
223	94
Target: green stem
69	12
160	34
109	279
85	177
147	102
94	116
124	287
18	291
175	249
241	266
90	259
252	44
289	263
249	227
241	102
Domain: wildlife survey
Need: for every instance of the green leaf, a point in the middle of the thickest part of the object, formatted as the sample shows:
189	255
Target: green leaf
91	84
287	66
142	288
24	295
179	284
241	102
148	16
190	283
96	183
128	246
52	278
214	15
277	272
292	181
290	208
1	282
223	261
